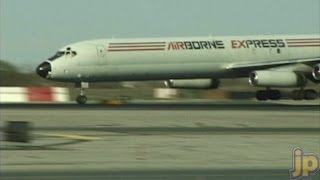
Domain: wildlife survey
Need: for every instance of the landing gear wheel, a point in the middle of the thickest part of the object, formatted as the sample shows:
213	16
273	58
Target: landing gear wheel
81	99
310	94
274	95
262	95
268	94
298	95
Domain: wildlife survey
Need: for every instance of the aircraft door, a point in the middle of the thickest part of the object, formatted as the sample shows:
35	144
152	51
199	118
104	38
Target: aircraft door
101	54
101	51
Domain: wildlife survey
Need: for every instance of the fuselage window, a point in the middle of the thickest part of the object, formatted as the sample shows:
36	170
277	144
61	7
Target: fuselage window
278	51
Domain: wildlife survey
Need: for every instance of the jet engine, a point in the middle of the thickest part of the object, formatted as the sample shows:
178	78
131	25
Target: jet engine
316	72
192	83
276	79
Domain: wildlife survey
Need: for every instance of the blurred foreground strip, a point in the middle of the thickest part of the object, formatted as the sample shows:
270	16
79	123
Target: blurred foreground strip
33	94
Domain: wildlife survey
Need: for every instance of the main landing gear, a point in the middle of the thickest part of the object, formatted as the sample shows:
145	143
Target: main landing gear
81	98
308	94
268	94
301	94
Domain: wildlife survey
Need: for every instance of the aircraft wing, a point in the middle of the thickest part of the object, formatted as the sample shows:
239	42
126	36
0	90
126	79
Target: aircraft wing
245	68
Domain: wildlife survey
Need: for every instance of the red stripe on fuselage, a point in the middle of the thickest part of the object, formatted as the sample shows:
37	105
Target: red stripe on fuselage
304	42
136	46
148	49
306	39
138	43
308	45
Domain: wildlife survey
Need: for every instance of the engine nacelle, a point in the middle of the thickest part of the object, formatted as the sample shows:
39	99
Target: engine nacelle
192	83
276	79
316	72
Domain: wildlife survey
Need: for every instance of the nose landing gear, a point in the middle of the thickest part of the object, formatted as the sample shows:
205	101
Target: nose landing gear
81	98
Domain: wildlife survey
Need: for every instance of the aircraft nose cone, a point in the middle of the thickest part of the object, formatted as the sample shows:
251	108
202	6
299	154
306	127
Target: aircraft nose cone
44	69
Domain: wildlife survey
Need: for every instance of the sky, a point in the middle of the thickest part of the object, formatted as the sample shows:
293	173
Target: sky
33	30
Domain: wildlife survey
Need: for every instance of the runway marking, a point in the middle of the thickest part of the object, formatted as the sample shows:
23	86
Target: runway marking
69	136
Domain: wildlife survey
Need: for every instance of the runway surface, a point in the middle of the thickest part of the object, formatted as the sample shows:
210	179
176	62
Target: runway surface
177	105
221	140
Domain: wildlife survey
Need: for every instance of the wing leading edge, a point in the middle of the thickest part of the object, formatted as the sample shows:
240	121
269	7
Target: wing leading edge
243	69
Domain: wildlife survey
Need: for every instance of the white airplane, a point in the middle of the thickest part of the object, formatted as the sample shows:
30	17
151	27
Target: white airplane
198	62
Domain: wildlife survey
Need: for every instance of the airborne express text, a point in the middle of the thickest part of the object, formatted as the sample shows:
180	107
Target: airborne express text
195	45
235	44
266	43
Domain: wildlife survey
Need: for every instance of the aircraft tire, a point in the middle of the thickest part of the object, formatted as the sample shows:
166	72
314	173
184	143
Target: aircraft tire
81	99
274	94
310	94
298	95
262	95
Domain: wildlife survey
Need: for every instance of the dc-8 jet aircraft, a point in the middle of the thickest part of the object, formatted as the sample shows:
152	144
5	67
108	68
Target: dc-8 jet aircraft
272	62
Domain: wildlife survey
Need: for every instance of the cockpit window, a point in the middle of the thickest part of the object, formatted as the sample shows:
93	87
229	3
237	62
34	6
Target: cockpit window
70	53
57	55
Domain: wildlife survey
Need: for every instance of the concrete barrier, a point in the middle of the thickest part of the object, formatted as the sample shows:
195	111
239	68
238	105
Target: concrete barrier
165	93
33	94
13	94
217	94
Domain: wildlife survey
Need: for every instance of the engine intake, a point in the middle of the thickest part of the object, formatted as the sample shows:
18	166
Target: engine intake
276	79
316	72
